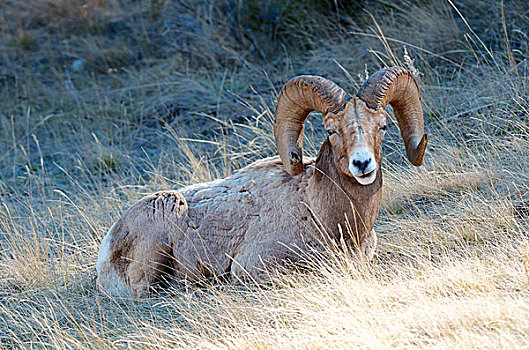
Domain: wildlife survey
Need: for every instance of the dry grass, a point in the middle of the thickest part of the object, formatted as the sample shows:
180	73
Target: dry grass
181	92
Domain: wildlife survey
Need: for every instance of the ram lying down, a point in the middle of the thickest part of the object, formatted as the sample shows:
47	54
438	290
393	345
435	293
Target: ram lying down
265	214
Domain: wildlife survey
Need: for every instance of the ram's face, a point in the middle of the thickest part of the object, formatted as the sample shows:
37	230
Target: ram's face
356	135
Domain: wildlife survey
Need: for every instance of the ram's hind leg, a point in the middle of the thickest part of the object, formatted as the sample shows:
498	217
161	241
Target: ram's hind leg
148	265
136	253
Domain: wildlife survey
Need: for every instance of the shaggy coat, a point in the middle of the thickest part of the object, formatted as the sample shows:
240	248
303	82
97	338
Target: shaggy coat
276	210
235	225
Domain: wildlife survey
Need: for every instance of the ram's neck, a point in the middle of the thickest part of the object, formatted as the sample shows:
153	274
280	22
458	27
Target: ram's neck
338	200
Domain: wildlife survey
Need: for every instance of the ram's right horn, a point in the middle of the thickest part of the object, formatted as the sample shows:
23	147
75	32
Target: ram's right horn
398	87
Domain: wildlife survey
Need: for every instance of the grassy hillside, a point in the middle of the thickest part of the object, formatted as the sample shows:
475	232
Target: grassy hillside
102	102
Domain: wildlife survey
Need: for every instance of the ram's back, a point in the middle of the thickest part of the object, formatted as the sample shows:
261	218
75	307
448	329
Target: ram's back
227	225
258	208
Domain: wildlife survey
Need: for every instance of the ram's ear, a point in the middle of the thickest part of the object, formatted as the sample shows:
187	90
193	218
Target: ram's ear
297	99
398	87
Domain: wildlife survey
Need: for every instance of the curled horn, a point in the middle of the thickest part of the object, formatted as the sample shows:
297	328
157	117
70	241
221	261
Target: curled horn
297	99
398	87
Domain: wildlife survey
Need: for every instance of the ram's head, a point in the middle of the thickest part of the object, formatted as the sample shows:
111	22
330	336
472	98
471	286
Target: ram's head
356	125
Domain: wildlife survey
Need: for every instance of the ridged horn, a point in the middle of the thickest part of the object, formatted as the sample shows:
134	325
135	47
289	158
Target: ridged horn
300	96
398	87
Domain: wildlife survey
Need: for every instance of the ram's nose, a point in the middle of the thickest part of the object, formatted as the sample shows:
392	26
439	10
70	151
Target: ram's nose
362	164
362	161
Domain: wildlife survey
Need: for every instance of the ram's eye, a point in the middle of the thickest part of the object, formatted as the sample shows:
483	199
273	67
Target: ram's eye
331	132
383	127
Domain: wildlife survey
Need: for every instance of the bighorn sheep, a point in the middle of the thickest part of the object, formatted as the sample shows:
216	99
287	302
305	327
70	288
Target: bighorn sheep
262	214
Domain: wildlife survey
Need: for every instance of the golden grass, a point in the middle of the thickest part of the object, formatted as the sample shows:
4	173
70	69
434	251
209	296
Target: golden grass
78	148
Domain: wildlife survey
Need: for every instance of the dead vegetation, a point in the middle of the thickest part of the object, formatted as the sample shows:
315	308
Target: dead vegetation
174	93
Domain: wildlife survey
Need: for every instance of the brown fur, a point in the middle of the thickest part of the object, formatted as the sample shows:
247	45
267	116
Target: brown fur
254	219
239	224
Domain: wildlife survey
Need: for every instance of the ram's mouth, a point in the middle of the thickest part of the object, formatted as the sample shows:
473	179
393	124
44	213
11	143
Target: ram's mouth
366	178
366	175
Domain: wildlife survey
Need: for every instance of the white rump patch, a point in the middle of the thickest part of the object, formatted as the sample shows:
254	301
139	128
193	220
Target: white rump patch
104	251
108	279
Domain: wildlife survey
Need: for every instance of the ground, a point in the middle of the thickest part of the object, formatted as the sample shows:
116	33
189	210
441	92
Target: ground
102	102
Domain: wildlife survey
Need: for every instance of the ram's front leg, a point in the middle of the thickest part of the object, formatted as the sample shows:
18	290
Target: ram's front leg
257	259
369	246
